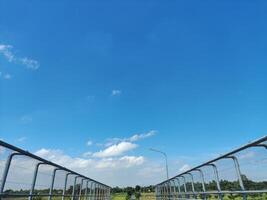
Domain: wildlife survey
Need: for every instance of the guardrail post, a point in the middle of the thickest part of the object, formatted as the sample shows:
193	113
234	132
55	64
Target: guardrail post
168	191
100	192
86	190
202	182
65	185
173	189
185	189
161	192
192	184
7	166
80	191
238	173
73	189
96	192
91	191
216	174
34	180
52	184
179	187
165	191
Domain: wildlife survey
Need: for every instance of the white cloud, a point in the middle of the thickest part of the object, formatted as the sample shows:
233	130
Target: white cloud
115	171
60	158
6	52
115	150
77	163
137	137
184	168
115	92
30	63
89	143
118	163
134	138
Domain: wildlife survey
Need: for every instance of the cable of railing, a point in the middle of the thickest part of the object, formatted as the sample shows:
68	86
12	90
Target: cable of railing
166	194
103	189
28	154
251	144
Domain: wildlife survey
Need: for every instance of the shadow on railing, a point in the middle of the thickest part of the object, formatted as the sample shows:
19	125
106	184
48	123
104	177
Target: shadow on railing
240	174
27	176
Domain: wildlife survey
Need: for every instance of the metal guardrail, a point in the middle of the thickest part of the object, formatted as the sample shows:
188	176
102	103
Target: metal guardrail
178	187
86	189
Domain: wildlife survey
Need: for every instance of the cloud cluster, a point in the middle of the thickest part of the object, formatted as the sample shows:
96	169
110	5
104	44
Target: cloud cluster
78	163
134	138
7	52
184	168
105	164
115	150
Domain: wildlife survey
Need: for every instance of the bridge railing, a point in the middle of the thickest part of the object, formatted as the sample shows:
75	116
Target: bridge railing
26	176
239	174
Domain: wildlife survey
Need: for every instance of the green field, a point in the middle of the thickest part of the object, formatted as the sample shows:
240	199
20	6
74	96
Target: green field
122	196
150	196
119	196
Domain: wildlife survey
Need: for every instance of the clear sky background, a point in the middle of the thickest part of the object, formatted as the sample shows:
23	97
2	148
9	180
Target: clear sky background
94	84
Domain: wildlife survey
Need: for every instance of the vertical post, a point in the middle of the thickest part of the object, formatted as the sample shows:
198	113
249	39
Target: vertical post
159	192
238	173
163	191
108	194
185	189
65	185
7	166
96	192
179	187
174	189
34	180
100	192
192	184
91	191
80	191
73	189
216	174
86	190
104	193
166	190
156	192
203	182
52	184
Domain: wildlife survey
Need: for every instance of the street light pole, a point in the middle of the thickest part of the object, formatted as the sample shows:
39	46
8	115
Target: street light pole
166	159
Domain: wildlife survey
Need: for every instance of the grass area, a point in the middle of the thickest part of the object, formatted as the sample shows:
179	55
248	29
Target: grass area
146	196
119	196
151	196
122	196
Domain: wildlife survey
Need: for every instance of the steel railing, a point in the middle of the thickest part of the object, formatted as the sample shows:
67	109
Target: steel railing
85	189
178	187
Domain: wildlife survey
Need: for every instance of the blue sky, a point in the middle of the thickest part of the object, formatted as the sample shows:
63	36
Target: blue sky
192	73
